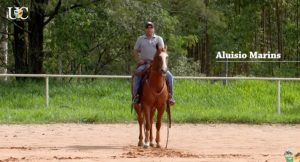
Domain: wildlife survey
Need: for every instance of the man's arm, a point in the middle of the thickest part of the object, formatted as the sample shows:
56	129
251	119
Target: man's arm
136	55
136	52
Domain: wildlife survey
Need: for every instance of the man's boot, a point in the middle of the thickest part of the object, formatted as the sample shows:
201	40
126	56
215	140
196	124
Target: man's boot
136	99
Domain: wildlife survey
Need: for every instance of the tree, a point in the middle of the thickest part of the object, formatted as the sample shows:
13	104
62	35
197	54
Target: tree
29	35
105	36
3	42
298	39
97	37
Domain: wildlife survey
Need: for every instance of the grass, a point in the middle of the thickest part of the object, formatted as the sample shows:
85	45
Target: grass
108	101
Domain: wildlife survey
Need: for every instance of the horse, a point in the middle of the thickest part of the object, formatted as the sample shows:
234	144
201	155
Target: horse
154	96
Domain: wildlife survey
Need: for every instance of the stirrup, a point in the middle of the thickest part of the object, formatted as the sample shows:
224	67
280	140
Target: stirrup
136	99
171	101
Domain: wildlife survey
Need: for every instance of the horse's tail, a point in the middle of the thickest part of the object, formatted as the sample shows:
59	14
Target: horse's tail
131	88
169	114
169	122
131	108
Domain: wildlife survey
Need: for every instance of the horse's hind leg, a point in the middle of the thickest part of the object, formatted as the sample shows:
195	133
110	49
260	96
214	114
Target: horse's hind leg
160	113
140	117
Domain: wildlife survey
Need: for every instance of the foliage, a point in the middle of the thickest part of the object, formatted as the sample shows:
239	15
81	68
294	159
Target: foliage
108	101
97	36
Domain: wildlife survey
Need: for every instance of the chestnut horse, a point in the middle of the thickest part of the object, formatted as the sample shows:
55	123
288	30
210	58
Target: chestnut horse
153	96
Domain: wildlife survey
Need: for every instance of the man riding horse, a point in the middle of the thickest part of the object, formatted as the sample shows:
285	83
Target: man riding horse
144	51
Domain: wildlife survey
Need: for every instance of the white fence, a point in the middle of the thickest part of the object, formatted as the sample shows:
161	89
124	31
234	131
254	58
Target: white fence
47	76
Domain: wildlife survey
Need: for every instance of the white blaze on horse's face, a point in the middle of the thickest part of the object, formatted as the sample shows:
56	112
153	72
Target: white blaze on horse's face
164	67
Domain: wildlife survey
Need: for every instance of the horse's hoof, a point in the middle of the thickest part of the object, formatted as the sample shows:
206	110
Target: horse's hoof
158	146
151	145
146	145
140	143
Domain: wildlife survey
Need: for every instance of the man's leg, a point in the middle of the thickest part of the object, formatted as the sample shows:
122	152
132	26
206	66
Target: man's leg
136	84
170	84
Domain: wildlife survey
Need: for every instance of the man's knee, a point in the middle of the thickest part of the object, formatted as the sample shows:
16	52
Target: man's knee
136	79
140	68
169	75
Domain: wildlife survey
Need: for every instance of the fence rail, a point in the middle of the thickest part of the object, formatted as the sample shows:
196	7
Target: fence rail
47	76
128	77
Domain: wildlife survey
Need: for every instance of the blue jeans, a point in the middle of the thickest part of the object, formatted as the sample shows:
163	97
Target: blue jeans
137	80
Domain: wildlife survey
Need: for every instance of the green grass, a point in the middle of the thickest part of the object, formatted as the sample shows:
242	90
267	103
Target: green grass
108	101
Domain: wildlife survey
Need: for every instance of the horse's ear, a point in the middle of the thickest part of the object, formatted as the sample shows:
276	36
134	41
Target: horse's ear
158	50
157	47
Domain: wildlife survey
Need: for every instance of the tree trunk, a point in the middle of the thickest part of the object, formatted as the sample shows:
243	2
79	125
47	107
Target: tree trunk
36	26
3	45
298	41
270	36
202	62
208	62
197	51
20	49
255	37
194	51
263	26
279	29
128	58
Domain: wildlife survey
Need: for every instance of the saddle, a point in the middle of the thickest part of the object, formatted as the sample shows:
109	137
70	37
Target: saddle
145	71
145	74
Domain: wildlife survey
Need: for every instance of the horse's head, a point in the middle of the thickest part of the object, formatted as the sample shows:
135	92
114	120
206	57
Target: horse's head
160	62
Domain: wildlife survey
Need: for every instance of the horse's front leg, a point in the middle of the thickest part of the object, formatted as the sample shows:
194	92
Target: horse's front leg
160	113
146	110
151	126
140	117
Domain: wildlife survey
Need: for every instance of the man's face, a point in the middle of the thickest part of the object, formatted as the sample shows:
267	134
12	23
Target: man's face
149	30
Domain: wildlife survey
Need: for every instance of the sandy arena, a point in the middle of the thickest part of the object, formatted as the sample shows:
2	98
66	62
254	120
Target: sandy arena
118	142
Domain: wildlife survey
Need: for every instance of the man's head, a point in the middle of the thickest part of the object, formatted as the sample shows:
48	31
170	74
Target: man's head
149	28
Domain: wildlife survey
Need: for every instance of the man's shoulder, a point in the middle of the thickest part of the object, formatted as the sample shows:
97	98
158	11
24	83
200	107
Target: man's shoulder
158	37
155	36
140	39
142	36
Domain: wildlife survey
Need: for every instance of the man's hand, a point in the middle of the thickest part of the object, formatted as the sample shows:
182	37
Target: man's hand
141	62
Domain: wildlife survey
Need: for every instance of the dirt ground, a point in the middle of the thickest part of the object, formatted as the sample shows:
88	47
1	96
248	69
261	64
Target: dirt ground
118	142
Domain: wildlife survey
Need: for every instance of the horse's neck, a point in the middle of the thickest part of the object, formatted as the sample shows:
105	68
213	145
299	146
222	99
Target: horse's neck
156	80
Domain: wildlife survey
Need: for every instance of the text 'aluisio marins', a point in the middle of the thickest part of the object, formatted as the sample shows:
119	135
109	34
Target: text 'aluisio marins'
251	55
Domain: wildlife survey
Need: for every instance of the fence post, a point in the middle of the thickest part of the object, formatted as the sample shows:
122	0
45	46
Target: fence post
47	92
278	96
225	72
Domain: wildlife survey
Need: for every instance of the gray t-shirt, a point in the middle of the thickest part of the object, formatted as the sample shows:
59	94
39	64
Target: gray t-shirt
147	46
